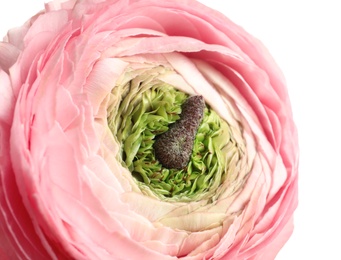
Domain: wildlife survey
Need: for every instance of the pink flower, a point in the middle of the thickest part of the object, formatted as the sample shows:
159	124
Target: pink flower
70	80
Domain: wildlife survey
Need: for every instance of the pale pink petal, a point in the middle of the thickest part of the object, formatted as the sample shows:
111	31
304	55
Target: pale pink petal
8	55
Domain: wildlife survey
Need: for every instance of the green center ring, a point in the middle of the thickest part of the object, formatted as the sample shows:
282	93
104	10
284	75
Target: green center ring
147	114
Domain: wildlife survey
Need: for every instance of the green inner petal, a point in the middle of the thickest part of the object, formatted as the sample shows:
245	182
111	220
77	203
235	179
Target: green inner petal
145	111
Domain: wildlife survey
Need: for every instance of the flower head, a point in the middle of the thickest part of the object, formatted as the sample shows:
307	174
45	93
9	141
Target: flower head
95	98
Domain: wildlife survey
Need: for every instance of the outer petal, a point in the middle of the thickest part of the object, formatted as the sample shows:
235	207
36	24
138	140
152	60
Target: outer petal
8	55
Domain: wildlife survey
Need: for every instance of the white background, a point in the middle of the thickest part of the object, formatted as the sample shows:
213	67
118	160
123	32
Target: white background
305	39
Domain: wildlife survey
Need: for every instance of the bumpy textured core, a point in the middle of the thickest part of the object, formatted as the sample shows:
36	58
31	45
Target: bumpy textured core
173	148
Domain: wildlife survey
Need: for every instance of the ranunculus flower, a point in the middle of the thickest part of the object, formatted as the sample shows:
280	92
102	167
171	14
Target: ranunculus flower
87	88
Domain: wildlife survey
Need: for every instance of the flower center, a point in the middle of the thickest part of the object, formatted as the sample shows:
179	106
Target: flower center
170	142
